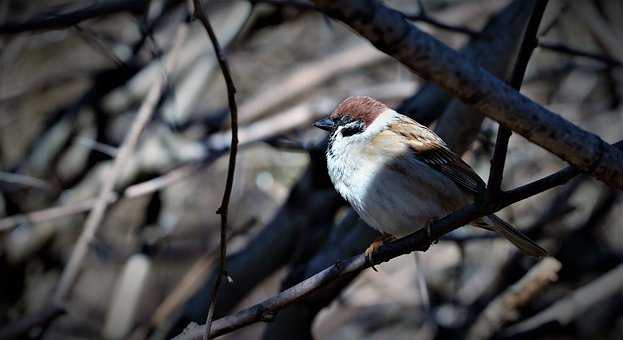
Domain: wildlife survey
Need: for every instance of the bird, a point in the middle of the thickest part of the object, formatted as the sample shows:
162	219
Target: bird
399	176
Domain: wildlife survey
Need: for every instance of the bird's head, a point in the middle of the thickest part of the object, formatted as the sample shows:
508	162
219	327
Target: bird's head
353	116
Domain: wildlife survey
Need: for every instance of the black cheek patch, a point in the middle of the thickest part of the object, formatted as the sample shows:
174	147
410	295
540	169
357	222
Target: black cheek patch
352	129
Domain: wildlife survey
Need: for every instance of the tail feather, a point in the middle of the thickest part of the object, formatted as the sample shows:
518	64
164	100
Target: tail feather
521	241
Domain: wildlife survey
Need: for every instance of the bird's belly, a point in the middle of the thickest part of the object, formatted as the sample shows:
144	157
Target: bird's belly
400	204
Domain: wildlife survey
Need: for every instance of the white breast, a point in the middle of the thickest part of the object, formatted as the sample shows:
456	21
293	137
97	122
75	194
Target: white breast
389	200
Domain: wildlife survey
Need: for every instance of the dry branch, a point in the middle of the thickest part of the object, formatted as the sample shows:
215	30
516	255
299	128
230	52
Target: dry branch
571	307
72	270
505	308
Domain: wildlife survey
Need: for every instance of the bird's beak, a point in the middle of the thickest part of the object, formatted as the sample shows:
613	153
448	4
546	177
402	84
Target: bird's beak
325	124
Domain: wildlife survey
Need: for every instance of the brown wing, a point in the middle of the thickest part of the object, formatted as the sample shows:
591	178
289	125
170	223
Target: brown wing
432	150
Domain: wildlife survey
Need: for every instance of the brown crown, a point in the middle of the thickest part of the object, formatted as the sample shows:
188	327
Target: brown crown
363	108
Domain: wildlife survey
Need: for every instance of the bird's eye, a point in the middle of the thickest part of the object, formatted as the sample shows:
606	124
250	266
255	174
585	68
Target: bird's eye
352	128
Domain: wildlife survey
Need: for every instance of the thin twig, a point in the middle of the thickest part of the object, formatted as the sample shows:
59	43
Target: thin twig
574	52
24	180
233	110
72	270
528	45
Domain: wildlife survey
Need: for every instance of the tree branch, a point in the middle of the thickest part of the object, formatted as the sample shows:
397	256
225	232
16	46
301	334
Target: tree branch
223	210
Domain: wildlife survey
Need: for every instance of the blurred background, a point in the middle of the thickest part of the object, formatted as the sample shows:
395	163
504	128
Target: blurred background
74	76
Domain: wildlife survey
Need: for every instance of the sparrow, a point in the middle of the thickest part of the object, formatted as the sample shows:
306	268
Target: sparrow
399	176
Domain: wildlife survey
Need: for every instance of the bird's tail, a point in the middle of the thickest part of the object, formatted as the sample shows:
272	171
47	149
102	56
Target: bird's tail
521	241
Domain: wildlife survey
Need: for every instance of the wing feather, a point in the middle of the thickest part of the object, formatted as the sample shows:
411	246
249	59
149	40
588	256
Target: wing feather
433	151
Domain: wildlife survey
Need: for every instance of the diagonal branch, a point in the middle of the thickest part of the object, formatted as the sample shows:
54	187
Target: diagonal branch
390	32
51	21
96	216
223	210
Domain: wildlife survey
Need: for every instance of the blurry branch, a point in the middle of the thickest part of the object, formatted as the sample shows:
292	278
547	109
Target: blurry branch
233	150
295	145
209	150
73	208
506	307
100	204
297	116
186	287
196	66
92	39
599	26
564	49
306	5
307	76
574	305
423	16
62	19
22	180
391	33
16	330
71	272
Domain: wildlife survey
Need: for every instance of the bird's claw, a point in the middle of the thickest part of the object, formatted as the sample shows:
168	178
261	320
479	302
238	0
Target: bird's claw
374	246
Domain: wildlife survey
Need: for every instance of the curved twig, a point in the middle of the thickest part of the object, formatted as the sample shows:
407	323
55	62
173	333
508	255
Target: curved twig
223	210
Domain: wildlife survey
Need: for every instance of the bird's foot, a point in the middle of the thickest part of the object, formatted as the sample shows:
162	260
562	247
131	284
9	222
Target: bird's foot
375	245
